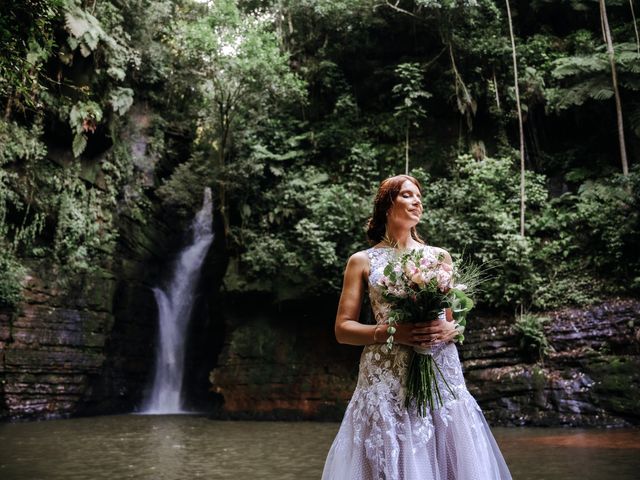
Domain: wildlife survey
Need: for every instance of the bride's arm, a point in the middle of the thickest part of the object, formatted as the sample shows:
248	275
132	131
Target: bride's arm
348	329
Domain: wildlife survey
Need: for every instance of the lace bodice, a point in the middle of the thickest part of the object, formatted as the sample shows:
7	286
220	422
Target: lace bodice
377	365
376	362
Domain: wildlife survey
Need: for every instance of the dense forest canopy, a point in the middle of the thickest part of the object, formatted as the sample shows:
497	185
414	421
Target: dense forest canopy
294	110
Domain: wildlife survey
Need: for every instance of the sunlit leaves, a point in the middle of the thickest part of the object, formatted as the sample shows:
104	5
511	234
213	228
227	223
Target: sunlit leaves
410	93
121	100
85	30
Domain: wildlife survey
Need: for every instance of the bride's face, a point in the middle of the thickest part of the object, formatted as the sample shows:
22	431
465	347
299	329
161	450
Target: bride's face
406	209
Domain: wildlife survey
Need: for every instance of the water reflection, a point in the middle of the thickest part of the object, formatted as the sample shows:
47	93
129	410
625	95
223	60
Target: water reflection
184	447
571	453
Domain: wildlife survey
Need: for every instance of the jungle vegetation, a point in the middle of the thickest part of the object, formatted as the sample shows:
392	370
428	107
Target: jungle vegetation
294	110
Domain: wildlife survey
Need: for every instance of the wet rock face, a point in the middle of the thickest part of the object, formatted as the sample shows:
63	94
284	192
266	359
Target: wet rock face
86	347
269	369
284	364
51	347
590	378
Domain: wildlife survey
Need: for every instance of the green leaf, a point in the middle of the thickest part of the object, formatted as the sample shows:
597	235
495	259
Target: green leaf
84	50
121	100
77	22
79	144
116	72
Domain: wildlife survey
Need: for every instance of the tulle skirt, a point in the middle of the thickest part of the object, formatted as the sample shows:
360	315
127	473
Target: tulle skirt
383	440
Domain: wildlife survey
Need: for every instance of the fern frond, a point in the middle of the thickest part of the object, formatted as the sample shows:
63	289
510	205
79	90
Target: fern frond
602	93
578	65
596	88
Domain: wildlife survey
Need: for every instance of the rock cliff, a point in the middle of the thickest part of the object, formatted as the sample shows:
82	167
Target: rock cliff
275	367
85	344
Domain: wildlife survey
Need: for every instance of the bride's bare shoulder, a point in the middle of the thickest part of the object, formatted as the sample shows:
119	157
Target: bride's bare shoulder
359	259
358	264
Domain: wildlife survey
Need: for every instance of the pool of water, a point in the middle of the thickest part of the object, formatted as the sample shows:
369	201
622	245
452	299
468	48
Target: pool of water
185	446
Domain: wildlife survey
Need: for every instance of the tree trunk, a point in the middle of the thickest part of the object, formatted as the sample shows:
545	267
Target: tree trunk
495	86
224	122
406	149
635	26
520	123
7	109
614	79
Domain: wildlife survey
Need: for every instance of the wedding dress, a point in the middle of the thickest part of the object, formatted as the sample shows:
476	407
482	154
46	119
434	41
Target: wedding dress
380	439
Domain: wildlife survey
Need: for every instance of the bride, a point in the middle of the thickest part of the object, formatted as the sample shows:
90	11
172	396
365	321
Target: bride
379	437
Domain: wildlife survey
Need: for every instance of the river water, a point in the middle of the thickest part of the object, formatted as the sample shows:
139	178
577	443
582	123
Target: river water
185	447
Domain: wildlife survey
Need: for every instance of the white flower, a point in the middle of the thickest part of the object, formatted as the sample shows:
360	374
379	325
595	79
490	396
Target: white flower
428	275
409	268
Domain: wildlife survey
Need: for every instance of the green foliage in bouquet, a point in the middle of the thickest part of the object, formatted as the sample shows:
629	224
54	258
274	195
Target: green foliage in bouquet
460	305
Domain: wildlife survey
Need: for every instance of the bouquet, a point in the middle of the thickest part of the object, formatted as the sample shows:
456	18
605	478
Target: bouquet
419	285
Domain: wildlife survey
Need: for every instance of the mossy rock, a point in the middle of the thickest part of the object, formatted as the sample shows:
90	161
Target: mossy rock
617	384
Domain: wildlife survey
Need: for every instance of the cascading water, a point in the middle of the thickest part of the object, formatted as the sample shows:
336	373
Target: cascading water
174	307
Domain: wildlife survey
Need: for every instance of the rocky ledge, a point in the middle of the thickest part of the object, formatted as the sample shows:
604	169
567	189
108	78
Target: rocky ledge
295	369
591	377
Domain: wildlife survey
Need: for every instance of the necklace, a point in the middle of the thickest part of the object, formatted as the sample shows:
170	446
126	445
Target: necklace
394	244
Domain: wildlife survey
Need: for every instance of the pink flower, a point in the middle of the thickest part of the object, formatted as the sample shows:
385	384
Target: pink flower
429	261
409	268
444	280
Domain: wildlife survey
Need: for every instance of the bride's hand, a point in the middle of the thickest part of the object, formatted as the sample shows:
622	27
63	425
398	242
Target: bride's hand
429	333
404	334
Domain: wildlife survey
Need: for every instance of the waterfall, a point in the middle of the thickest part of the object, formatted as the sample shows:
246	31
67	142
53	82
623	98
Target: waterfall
174	307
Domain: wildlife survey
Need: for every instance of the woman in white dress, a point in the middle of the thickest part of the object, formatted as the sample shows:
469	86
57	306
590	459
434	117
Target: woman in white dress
379	437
